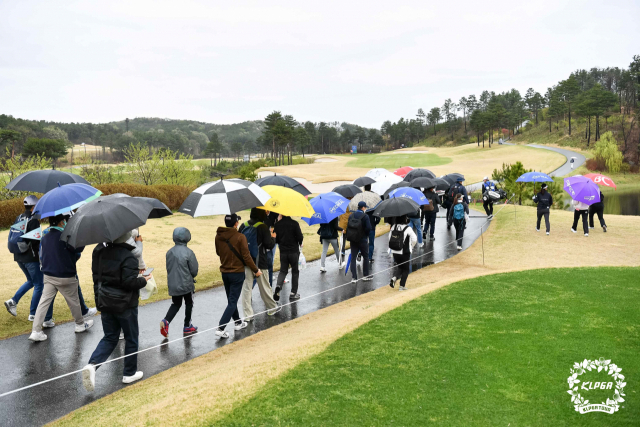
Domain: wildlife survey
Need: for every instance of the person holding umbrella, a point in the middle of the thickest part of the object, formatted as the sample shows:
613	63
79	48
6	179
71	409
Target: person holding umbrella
457	215
343	221
544	201
328	233
430	215
584	192
402	240
452	193
598	209
581	211
289	239
358	229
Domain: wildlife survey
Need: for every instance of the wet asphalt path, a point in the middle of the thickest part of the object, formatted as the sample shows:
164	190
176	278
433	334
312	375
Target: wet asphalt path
24	363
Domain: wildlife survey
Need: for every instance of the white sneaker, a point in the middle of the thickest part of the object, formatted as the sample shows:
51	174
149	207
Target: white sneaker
37	336
402	288
121	335
586	234
222	334
49	323
392	282
274	311
537	229
11	307
368	278
239	326
574	231
343	265
31	317
354	280
547	233
323	270
82	328
92	312
590	228
89	377
286	280
133	378
459	248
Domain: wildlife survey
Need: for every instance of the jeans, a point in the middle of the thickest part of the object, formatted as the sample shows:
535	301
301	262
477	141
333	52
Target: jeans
35	280
176	303
403	265
430	223
417	227
83	306
359	247
233	287
596	210
372	239
459	225
546	220
112	323
289	259
576	216
325	249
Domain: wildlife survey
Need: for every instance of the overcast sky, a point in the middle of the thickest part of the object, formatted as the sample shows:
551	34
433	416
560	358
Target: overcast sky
361	62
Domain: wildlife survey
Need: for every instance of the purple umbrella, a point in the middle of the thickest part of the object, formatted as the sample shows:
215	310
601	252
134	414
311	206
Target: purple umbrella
582	189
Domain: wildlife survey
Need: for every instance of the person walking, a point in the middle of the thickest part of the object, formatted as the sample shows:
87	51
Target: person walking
402	240
58	264
544	201
430	215
259	240
414	222
271	220
328	233
182	269
452	192
458	213
374	220
26	255
487	202
116	286
342	223
358	229
598	209
581	211
289	239
232	248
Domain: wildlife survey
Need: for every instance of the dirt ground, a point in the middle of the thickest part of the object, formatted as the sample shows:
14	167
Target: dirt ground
474	162
203	388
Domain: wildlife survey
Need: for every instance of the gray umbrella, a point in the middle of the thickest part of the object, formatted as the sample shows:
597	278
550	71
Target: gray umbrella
104	220
363	180
369	197
396	206
43	181
160	210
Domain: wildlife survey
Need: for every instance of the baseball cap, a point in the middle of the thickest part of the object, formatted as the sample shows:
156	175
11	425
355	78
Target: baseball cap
543	186
30	200
231	219
460	179
362	204
485	178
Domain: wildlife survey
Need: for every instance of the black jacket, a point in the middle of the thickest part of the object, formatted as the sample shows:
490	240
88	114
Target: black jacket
335	227
434	199
544	201
265	242
598	205
288	235
366	224
373	220
116	284
31	255
57	258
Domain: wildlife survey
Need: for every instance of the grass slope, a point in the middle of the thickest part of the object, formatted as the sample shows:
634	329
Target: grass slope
395	161
495	350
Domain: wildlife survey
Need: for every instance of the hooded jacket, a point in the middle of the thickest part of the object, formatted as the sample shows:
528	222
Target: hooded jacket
230	262
288	235
344	219
182	265
31	255
265	241
137	251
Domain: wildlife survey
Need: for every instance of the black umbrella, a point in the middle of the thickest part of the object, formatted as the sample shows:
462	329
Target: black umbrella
160	210
441	184
347	190
104	220
283	181
451	178
43	181
419	173
423	182
396	206
394	186
363	180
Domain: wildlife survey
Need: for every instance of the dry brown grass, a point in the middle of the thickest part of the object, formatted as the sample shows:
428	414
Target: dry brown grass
201	390
158	239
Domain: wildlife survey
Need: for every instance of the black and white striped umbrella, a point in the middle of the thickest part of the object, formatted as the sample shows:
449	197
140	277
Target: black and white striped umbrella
224	197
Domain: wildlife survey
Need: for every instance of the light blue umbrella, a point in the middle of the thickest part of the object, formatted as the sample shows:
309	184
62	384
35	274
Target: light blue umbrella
327	206
534	177
65	199
409	193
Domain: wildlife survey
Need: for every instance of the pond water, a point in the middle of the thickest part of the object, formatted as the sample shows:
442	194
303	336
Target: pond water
620	203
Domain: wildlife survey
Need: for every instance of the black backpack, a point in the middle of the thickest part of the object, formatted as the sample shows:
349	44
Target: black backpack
354	228
455	189
396	241
325	231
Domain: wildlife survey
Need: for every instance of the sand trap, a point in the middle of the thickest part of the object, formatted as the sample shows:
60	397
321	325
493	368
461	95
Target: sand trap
325	160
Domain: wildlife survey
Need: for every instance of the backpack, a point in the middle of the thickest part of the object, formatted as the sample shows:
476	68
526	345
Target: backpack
325	231
455	189
354	228
16	244
396	241
458	211
251	233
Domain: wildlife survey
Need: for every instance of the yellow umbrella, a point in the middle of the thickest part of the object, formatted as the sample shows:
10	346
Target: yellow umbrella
286	201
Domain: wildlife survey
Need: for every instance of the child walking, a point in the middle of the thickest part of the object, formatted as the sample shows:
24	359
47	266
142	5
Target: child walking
182	268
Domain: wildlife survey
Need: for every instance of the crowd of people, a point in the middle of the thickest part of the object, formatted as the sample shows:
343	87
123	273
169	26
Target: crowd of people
246	251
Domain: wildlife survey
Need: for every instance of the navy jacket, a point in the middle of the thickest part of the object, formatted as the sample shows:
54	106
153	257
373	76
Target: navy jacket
57	258
366	224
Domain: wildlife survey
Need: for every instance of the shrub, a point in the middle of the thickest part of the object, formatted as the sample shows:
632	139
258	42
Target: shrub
606	150
9	210
170	195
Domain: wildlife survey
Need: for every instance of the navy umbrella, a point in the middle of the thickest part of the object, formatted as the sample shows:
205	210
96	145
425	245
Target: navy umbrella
283	181
43	181
64	199
347	190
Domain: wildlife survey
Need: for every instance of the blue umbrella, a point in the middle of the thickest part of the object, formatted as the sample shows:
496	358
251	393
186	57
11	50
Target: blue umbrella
534	177
64	199
410	193
328	206
346	269
582	189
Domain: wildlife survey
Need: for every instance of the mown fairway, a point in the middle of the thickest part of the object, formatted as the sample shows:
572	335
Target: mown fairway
395	161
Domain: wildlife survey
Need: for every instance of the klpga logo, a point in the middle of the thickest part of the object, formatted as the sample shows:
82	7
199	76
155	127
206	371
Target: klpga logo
578	387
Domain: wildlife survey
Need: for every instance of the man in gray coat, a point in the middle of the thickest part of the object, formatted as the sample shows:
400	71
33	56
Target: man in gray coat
182	268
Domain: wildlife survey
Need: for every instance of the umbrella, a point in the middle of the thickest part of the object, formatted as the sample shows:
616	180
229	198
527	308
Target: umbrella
396	206
402	172
283	181
327	206
423	182
534	177
346	269
369	197
451	178
347	190
393	187
375	173
363	180
582	189
160	210
383	182
601	179
224	197
43	181
418	173
64	199
441	184
104	220
410	193
286	201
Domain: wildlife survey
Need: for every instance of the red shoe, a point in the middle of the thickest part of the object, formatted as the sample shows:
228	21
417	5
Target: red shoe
164	328
188	330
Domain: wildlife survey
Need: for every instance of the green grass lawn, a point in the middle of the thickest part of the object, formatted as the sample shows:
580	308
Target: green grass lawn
495	350
395	161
